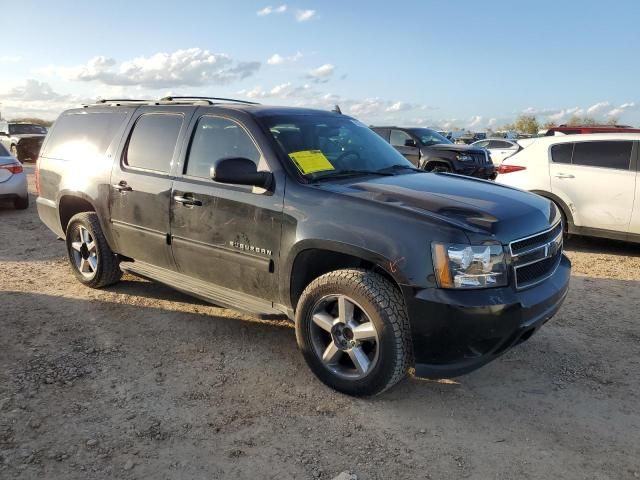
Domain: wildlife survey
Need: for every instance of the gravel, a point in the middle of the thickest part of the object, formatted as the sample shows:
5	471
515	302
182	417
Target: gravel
139	380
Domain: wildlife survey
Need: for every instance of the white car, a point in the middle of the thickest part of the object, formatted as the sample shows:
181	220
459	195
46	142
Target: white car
499	148
592	178
13	180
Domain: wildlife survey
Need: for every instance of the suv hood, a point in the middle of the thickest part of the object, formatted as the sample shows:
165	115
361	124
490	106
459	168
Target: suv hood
476	206
454	147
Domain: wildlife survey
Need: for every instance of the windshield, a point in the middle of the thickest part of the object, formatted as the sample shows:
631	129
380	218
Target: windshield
429	137
26	129
325	145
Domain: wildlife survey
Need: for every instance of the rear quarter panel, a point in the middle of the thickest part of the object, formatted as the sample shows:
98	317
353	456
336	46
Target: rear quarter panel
76	161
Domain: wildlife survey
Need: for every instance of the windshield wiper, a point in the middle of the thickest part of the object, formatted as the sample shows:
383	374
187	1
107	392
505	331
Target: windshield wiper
353	173
400	167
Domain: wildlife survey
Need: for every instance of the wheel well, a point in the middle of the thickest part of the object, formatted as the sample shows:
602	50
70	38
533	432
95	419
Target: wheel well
432	163
564	209
312	263
70	206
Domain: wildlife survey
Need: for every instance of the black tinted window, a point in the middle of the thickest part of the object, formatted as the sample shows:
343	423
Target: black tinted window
603	154
216	138
83	136
153	141
562	152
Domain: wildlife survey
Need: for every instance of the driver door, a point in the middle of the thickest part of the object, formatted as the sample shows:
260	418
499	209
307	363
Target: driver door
406	145
225	235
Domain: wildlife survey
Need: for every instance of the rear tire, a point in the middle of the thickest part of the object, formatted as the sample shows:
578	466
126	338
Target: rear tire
364	351
92	261
14	151
21	203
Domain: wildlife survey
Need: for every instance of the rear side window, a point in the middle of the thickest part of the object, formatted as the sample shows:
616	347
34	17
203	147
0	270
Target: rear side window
153	141
399	138
3	151
562	153
83	136
215	138
603	154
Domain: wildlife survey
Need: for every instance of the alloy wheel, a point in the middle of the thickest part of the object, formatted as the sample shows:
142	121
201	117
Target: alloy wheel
344	337
85	255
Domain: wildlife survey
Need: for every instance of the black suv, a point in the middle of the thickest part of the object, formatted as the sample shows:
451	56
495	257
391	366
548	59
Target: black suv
22	139
310	215
430	151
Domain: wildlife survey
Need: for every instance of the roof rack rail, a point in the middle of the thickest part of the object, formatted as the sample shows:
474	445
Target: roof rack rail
121	100
172	98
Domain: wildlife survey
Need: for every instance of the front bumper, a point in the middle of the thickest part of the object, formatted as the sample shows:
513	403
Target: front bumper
456	331
486	172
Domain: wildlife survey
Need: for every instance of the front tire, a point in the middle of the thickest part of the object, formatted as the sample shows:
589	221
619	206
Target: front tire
21	203
353	330
92	261
438	168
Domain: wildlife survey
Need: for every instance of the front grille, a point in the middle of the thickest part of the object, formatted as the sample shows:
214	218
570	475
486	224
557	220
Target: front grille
535	258
481	158
525	244
535	272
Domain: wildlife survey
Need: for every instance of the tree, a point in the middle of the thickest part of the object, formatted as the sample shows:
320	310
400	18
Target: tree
524	124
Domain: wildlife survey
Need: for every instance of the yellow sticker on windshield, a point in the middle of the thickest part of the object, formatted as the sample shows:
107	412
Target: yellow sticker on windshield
311	161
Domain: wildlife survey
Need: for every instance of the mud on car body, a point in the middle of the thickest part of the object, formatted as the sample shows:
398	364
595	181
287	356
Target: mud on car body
311	215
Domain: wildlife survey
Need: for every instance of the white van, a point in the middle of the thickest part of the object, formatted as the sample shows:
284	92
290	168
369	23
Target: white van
593	178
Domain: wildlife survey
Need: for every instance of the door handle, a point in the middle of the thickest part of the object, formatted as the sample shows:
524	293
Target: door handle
564	175
122	186
187	201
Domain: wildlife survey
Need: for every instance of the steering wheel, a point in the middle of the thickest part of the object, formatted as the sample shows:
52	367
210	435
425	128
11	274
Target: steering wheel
346	154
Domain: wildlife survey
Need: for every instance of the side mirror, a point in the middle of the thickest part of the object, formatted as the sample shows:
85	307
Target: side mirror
240	171
410	142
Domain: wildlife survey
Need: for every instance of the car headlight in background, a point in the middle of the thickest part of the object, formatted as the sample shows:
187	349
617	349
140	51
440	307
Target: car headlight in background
463	157
469	266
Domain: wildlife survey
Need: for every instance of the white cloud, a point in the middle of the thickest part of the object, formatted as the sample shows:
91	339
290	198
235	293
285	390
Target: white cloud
398	107
305	15
190	67
617	111
597	108
10	58
322	73
269	10
35	98
277	59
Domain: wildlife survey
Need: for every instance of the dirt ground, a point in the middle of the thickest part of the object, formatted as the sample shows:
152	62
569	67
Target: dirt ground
139	381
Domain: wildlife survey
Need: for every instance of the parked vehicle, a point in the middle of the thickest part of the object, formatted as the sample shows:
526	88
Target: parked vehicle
430	151
498	148
23	140
584	129
593	179
307	214
13	181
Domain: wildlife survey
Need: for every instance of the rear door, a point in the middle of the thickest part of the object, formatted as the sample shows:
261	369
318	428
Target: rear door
399	139
140	191
226	235
595	179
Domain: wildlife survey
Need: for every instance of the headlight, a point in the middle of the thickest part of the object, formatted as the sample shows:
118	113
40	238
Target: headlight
469	266
463	157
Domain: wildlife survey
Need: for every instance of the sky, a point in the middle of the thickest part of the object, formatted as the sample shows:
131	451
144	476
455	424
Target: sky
464	64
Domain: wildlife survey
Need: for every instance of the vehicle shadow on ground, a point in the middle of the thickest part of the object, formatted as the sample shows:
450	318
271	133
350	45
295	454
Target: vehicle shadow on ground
139	287
601	245
266	337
